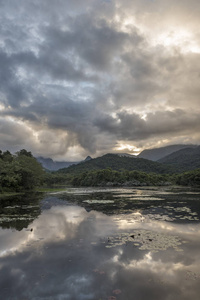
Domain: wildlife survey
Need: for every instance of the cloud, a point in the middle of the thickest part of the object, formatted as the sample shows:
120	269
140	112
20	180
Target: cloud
14	135
56	251
95	74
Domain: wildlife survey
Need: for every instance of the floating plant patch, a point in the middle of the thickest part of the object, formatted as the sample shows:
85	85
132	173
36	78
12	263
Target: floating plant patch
124	195
9	219
12	207
146	240
95	201
29	206
144	198
182	213
158	217
89	191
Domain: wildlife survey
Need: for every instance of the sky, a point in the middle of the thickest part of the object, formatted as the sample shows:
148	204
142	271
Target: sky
88	77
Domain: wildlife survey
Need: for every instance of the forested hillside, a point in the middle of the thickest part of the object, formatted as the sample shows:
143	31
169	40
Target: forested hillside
117	163
183	160
156	154
21	171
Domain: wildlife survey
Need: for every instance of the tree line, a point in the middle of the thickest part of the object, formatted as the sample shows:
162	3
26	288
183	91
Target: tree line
124	177
21	171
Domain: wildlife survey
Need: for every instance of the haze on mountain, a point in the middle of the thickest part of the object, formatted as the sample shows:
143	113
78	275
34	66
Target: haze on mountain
52	165
184	159
118	163
91	77
159	153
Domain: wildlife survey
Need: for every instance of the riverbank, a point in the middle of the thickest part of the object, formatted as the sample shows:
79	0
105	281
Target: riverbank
37	190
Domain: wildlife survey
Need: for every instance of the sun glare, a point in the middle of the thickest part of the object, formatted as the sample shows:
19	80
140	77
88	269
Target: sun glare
128	148
182	39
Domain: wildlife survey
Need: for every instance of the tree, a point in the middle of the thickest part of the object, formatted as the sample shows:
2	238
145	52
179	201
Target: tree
24	152
7	156
9	176
19	172
30	171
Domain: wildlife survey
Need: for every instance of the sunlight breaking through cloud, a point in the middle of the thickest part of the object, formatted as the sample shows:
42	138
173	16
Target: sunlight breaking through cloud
99	75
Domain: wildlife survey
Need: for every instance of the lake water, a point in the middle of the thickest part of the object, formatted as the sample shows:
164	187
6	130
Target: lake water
101	244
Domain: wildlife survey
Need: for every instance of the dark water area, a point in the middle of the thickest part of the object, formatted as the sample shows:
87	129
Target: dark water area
101	244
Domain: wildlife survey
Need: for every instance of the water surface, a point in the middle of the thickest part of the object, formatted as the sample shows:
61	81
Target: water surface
101	244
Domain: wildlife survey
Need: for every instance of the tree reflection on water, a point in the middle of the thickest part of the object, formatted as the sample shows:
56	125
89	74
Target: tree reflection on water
83	250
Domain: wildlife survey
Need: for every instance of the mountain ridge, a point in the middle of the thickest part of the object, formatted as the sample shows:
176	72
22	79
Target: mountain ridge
162	155
184	159
116	162
156	154
51	165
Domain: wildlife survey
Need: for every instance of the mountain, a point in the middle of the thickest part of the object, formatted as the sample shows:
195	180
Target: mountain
158	153
183	160
88	158
51	165
170	159
116	162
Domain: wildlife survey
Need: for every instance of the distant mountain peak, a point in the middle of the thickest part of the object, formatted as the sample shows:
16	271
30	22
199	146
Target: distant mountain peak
117	162
88	158
52	165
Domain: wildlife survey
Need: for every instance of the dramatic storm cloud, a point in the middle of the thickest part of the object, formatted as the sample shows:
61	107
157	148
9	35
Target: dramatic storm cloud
88	77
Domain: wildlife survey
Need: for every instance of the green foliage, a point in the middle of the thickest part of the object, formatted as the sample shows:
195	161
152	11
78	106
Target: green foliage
112	177
9	176
19	172
187	159
191	178
29	170
6	156
117	163
23	172
112	169
24	152
55	179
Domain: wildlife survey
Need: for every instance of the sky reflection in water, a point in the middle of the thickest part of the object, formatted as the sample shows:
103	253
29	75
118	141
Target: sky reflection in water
89	251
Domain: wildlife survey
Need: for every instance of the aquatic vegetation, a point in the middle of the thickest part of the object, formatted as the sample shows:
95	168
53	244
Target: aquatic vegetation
101	245
146	240
98	201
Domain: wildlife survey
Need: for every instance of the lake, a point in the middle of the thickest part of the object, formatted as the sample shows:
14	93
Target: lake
101	243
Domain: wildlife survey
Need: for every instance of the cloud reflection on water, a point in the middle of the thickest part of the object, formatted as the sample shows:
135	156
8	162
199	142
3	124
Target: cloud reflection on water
65	257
